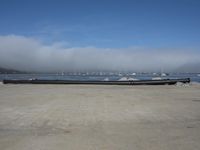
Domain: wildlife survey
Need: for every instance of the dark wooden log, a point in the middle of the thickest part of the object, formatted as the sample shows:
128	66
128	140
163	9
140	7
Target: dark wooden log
138	82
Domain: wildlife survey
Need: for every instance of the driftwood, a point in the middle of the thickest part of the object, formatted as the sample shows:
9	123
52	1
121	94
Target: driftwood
138	82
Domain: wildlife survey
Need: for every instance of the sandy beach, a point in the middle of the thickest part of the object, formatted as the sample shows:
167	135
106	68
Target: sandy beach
99	117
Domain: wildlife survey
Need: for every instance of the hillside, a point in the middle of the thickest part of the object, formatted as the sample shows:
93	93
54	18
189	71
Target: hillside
9	71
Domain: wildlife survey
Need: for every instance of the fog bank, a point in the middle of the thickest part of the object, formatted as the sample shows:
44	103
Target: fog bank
28	54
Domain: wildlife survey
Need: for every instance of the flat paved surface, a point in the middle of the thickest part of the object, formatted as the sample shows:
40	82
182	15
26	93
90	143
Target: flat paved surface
90	117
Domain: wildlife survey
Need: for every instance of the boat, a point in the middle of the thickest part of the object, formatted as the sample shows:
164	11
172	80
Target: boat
133	74
127	79
106	79
163	74
127	82
157	78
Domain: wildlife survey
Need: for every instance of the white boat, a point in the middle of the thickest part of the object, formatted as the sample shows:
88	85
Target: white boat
123	79
163	74
106	79
157	78
127	79
133	74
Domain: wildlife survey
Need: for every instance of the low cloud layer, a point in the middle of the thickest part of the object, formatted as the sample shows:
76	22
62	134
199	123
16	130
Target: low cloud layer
28	54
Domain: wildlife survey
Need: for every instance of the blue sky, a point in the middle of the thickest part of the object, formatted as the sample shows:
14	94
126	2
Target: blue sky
57	35
105	23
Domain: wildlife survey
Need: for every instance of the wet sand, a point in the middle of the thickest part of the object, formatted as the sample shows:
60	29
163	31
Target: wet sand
99	117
